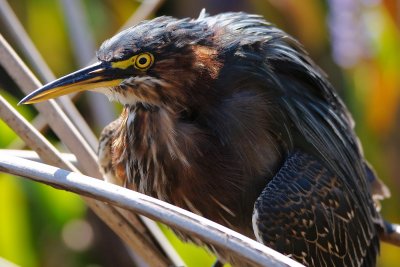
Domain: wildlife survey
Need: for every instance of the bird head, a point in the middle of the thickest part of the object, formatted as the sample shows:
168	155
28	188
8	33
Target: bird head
152	63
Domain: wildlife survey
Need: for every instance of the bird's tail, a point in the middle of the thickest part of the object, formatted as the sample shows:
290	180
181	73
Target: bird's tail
391	233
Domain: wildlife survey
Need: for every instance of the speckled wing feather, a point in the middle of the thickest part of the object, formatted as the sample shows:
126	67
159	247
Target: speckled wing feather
308	213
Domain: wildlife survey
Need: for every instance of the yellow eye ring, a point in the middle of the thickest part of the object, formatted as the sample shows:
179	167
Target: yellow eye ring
144	61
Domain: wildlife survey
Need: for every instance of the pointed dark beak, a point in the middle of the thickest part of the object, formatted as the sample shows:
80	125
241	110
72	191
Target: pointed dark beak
100	74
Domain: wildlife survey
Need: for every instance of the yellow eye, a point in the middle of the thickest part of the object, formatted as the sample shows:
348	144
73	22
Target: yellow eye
144	61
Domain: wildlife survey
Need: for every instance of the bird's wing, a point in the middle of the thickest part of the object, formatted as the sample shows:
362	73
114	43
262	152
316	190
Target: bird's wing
306	212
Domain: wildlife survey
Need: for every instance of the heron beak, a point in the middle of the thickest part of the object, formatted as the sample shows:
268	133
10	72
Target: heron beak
100	74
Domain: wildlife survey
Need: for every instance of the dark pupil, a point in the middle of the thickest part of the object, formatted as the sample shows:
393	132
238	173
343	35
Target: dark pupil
142	60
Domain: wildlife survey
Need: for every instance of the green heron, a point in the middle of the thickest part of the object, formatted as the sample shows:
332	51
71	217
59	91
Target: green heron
227	116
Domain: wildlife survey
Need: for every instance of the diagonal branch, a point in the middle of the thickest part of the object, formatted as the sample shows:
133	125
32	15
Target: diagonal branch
175	217
56	118
32	137
83	47
133	236
67	132
22	39
27	82
25	44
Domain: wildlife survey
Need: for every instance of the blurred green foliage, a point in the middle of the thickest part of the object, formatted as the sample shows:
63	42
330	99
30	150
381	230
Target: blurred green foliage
33	216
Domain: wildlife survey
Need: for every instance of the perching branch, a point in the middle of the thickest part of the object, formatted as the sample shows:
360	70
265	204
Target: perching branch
56	118
32	155
131	231
120	222
175	217
110	214
31	136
